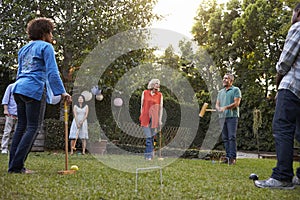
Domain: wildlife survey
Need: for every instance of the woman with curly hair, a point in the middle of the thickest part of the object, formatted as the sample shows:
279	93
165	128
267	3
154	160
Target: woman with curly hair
36	68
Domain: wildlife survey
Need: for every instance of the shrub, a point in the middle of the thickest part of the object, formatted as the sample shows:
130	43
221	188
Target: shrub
55	134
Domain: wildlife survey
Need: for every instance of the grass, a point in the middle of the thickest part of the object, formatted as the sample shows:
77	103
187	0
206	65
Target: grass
182	179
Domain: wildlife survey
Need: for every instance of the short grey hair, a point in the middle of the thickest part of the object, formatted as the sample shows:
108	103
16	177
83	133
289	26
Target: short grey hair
152	83
230	76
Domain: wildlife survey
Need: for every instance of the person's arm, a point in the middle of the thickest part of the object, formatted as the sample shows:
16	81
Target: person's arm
75	117
5	110
142	101
289	53
161	110
218	105
86	114
53	77
5	100
235	104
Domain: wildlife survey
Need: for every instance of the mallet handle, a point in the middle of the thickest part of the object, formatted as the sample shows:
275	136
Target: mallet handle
66	133
211	110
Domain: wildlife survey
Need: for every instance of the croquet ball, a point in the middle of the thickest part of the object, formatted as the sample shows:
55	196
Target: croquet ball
74	167
253	177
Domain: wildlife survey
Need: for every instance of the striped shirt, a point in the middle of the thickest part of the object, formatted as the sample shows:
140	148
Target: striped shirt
289	61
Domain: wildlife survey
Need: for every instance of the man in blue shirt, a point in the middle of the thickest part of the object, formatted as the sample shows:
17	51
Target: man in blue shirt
10	112
227	104
287	112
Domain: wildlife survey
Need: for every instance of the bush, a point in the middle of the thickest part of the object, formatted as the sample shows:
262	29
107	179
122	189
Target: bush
55	134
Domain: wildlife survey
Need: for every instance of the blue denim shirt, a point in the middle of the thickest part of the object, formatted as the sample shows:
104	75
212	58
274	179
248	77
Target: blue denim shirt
289	61
37	65
8	99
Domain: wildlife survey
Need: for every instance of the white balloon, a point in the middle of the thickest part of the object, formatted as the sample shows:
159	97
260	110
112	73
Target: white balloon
87	95
99	97
118	102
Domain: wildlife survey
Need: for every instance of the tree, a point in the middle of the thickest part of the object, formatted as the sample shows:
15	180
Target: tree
246	38
80	26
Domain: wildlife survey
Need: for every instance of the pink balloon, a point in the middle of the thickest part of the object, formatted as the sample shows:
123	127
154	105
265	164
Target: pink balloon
118	102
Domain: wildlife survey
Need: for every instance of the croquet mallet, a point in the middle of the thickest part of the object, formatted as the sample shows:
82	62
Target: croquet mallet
77	134
66	171
204	109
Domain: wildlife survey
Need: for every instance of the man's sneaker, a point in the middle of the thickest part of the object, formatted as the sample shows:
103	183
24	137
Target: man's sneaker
22	171
27	171
274	184
232	161
224	160
296	181
4	151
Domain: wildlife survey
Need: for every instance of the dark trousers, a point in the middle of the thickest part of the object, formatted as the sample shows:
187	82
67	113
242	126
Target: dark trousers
229	130
286	119
30	116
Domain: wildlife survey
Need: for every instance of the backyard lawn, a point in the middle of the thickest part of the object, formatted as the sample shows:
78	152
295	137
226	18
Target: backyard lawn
182	179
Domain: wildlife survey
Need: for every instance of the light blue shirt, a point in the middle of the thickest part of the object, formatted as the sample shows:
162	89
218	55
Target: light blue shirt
226	97
8	99
37	65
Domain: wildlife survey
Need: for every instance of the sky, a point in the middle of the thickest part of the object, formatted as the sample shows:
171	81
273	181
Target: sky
179	15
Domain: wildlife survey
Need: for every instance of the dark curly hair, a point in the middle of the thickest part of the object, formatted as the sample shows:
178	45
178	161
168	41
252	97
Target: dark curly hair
38	27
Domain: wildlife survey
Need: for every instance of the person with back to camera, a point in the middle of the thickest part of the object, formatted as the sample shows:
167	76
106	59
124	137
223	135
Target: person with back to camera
79	126
10	112
36	68
228	102
151	114
287	111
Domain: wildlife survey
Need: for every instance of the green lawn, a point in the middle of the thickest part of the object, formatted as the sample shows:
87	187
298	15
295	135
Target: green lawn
182	179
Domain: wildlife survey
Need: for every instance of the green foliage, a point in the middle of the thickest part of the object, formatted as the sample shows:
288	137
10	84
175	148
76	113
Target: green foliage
55	134
184	179
246	38
80	26
94	132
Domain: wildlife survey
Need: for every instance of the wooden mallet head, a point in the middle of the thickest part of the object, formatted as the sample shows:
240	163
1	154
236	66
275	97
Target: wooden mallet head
204	109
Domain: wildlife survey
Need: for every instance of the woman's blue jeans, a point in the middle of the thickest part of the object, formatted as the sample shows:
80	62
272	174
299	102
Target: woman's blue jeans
285	124
229	130
149	133
30	116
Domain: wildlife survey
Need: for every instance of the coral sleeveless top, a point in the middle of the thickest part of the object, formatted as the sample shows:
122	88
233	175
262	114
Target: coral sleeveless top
150	109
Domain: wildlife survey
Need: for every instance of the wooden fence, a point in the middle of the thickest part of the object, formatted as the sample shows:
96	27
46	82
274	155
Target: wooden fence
39	143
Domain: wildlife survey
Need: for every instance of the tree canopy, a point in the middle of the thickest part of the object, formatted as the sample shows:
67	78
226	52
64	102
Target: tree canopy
80	26
246	38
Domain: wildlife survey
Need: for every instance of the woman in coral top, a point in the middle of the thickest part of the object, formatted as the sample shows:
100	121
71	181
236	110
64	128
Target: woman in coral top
151	114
